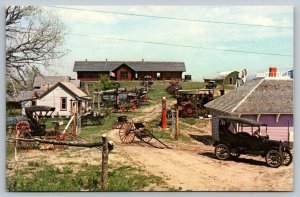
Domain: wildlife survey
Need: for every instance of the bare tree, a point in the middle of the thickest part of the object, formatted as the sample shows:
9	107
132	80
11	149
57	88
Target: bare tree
34	40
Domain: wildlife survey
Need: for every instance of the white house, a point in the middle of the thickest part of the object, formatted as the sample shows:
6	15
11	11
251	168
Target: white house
61	96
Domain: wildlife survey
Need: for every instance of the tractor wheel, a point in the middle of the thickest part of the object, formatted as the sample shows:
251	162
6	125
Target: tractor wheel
273	158
287	157
126	132
222	152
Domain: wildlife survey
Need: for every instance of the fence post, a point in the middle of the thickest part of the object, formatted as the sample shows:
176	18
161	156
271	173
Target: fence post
177	125
104	162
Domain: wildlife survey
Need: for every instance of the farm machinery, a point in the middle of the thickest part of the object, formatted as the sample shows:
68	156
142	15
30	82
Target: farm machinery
173	87
191	102
35	127
122	100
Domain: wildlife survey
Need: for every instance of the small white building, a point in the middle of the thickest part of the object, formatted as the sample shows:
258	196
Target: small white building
61	96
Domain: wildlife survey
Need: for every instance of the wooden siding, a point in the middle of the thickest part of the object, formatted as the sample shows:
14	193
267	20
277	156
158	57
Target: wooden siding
276	130
94	76
90	76
53	99
121	69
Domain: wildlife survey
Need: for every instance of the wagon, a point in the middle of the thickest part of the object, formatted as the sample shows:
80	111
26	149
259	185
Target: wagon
93	118
141	130
130	130
34	126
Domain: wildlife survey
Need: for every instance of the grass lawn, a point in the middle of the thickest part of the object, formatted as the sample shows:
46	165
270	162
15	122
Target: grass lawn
40	177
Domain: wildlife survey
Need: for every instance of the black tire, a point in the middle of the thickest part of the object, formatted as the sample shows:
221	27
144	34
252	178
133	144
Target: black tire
287	157
235	156
274	158
222	152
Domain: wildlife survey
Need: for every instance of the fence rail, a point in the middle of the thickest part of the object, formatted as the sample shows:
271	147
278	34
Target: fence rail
106	145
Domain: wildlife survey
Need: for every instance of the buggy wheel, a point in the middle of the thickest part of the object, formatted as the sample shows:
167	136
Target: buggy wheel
273	158
147	136
54	136
22	126
23	145
126	133
287	157
222	151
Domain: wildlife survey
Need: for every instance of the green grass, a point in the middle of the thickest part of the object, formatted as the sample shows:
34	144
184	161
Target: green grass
192	85
94	133
158	90
190	121
130	84
88	178
165	134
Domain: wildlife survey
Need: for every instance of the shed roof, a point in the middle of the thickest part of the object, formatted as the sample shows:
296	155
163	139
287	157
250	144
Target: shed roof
259	96
69	87
223	75
51	80
135	65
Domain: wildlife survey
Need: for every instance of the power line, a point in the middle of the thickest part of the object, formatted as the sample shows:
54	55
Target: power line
171	18
181	45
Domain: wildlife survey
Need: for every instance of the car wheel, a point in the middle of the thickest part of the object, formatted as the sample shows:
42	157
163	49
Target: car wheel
273	158
222	151
287	157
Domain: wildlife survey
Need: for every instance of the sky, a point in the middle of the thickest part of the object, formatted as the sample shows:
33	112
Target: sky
207	39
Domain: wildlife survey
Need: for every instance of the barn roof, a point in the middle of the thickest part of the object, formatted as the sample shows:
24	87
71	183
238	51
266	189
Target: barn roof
135	65
259	96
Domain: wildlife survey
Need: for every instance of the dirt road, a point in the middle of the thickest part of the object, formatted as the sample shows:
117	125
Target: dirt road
193	166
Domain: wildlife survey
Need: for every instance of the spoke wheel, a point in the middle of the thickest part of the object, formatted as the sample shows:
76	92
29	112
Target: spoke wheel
126	132
54	136
287	157
222	151
23	145
274	158
147	136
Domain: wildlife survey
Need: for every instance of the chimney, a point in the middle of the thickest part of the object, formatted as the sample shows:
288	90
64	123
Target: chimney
86	60
272	71
143	60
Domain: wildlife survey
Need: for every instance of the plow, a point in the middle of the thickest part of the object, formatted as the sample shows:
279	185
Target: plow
140	130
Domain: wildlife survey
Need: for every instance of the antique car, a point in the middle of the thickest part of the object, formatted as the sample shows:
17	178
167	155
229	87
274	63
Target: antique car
238	136
211	85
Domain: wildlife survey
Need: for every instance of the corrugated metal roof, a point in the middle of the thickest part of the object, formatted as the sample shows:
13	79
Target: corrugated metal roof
259	96
135	65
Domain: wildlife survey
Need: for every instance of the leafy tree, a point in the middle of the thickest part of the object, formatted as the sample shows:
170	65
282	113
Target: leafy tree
34	41
106	83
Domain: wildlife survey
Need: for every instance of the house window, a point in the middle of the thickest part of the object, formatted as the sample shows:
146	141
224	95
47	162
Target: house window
63	103
124	75
230	80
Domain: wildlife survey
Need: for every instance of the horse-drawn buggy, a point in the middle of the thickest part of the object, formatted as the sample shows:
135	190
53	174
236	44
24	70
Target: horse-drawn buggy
35	127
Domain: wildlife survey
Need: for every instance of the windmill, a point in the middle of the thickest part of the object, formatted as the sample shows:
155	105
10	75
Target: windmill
241	80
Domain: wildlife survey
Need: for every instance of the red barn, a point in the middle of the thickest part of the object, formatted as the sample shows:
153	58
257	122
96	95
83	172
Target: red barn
128	70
